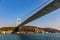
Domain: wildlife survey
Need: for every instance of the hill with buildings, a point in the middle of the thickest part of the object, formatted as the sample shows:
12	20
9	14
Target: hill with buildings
28	29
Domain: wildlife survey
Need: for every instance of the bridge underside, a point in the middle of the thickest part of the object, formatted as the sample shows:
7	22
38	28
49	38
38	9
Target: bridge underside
49	8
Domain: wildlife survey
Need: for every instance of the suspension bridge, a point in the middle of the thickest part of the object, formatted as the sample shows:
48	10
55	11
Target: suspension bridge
55	4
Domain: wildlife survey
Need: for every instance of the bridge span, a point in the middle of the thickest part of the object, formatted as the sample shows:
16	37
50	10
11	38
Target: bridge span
46	10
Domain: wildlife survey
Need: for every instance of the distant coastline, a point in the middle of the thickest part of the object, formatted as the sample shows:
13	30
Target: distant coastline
28	29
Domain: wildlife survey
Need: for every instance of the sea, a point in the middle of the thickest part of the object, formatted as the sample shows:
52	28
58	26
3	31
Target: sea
37	36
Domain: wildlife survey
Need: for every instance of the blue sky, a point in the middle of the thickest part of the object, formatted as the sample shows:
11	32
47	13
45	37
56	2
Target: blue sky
10	10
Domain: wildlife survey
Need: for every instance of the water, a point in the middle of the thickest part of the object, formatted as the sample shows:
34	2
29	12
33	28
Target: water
51	36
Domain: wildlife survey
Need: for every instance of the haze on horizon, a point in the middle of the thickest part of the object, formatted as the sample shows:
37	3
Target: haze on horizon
10	10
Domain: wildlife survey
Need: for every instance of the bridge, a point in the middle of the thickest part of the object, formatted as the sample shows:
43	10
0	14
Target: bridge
46	10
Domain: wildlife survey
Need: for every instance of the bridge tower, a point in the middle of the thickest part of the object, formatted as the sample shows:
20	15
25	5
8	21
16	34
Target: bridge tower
18	21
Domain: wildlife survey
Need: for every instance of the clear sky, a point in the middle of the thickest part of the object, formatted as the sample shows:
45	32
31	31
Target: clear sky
10	10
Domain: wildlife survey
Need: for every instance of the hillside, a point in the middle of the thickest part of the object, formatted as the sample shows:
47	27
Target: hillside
29	29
